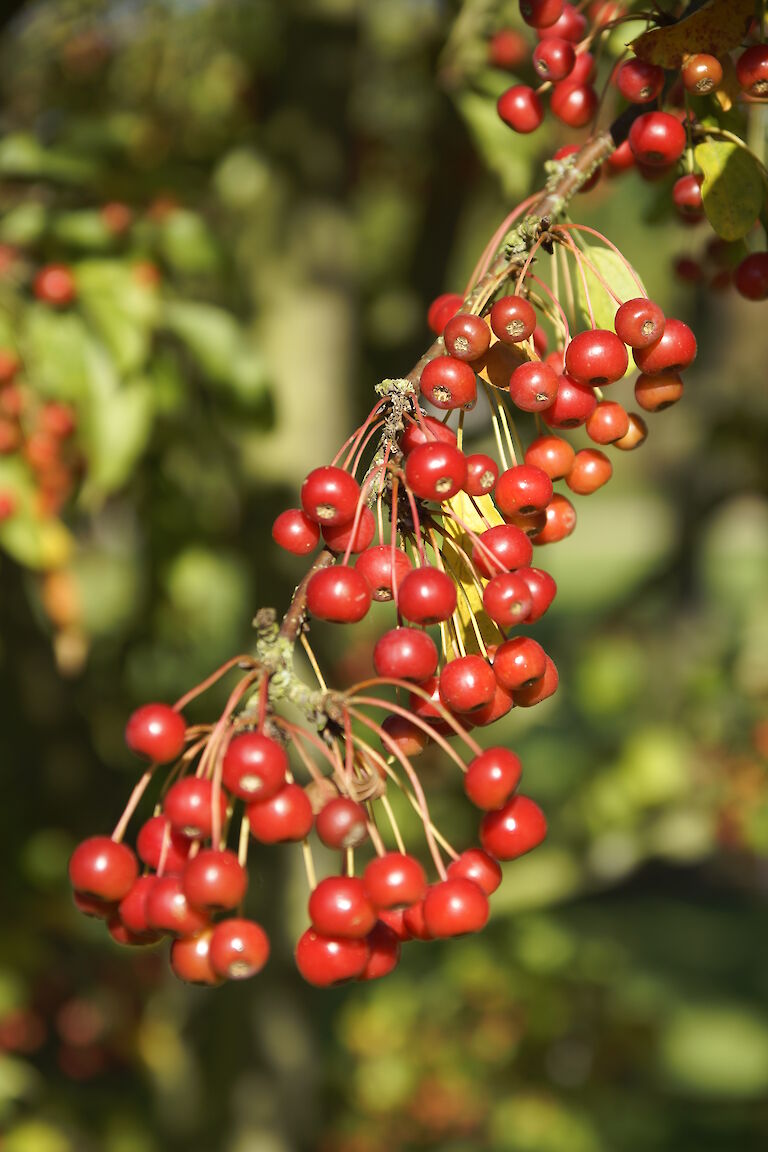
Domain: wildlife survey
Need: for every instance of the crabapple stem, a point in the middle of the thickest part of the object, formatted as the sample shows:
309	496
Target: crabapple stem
133	802
244	662
393	823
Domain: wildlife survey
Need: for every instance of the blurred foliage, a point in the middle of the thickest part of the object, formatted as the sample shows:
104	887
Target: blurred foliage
295	187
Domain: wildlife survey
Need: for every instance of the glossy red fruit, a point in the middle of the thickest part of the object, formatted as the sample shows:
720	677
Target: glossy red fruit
383	952
573	103
655	393
584	69
501	548
342	823
122	935
156	732
492	777
524	488
394	880
448	383
442	309
339	594
608	422
405	735
519	662
413	920
426	596
466	337
657	139
158	842
191	960
553	59
239	949
639	322
339	906
513	830
573	406
168	910
9	365
254	766
639	82
405	654
637	434
294	532
507	49
596	358
354	536
591	469
513	319
541	13
286	816
54	284
188	805
551	454
672	353
543	590
214	880
570	25
687	198
540	690
701	74
394	918
752	70
533	386
477	866
326	960
520	108
384	567
455	907
93	907
435	471
561	521
132	909
103	868
501	704
751	276
467	683
329	495
620	160
482	474
426	431
507	599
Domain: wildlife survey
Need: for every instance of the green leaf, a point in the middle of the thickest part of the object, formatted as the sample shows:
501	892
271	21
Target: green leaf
22	155
116	424
507	154
610	266
733	189
54	347
187	244
35	542
224	353
23	225
85	230
121	311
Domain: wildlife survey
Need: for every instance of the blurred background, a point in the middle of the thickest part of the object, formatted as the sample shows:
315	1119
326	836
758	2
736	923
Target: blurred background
257	200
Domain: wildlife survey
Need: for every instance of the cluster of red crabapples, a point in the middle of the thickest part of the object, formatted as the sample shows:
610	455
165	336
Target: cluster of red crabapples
658	140
446	539
40	433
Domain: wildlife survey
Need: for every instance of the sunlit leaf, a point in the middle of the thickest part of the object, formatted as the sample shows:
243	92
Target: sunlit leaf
718	26
733	190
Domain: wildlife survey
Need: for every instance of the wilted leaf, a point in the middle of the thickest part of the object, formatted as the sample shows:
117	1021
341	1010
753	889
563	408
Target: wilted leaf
733	190
715	28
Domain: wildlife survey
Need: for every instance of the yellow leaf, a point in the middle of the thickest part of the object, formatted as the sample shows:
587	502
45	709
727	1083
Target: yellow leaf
470	597
718	26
